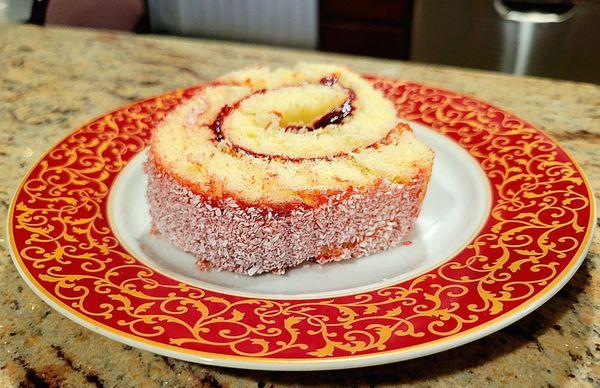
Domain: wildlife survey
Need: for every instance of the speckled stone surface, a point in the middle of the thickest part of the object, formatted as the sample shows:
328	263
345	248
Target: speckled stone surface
53	80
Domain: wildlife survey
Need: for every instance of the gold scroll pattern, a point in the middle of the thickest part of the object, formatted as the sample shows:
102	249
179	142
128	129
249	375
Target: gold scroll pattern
533	231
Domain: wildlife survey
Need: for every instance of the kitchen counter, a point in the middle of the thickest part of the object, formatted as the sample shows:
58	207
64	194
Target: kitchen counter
54	79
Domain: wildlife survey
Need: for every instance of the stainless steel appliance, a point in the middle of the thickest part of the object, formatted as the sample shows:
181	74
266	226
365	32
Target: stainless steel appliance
550	38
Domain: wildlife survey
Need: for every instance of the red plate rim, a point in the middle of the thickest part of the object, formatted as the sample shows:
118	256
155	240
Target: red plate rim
536	236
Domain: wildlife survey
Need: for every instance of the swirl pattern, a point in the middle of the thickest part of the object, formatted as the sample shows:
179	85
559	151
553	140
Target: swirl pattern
540	221
283	137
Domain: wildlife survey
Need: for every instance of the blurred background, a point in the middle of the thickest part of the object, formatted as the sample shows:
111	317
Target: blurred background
549	38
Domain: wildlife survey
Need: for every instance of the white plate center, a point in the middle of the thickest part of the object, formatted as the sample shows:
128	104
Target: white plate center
456	205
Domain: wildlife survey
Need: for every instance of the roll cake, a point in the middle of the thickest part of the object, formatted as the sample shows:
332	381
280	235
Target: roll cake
262	170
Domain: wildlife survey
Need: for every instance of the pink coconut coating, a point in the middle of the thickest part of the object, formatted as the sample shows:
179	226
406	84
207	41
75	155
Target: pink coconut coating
252	240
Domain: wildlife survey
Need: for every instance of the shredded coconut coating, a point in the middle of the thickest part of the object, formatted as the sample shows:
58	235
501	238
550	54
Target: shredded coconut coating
254	240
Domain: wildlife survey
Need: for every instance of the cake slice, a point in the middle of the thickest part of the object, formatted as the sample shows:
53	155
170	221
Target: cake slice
264	169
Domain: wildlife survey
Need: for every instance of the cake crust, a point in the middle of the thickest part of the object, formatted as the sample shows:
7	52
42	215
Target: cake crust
254	239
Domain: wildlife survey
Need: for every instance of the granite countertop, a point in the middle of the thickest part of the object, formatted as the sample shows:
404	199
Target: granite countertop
55	79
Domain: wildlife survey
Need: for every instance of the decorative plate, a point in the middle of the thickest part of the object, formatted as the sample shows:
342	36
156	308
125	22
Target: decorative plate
507	221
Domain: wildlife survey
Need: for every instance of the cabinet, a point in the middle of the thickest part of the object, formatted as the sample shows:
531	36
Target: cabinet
379	28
